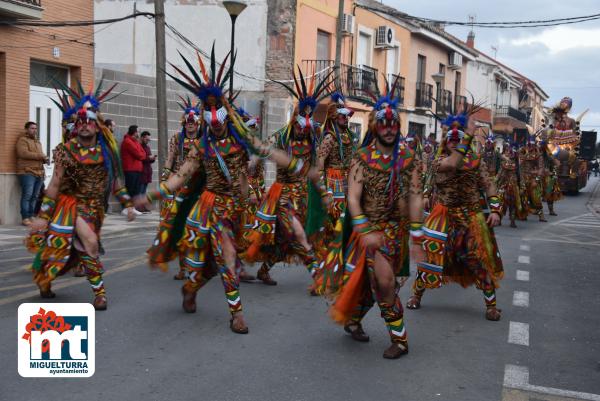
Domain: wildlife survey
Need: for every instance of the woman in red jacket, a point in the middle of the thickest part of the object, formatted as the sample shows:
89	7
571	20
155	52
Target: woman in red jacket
132	156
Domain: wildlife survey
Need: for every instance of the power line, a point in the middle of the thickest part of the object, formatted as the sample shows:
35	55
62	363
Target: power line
58	24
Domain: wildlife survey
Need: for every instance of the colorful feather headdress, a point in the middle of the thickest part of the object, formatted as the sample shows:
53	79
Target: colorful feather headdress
191	111
79	105
308	96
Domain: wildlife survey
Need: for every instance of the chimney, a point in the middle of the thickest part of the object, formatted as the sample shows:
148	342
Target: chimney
471	40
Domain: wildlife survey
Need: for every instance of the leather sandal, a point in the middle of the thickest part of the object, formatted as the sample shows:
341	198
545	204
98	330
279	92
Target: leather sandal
357	334
265	277
414	302
492	313
100	302
180	275
46	292
395	351
238	328
189	300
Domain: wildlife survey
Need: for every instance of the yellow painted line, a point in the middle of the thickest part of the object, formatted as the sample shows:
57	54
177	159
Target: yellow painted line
69	282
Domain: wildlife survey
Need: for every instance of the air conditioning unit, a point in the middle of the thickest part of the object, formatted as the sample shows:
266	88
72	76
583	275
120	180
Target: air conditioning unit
348	24
455	61
384	38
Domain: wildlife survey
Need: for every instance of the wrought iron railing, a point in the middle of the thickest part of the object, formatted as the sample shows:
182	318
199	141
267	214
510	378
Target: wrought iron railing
424	94
398	88
359	80
37	3
319	67
507	111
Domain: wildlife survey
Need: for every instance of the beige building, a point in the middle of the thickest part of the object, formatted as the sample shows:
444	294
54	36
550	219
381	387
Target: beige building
30	59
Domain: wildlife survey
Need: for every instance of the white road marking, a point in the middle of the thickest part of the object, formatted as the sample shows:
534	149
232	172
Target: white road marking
521	298
526	248
522	275
518	333
524	259
517	377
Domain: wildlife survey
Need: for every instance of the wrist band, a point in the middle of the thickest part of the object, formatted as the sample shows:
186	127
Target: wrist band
165	173
494	202
361	224
123	197
416	232
161	193
47	208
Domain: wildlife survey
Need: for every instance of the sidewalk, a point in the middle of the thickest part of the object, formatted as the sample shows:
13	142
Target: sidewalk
114	225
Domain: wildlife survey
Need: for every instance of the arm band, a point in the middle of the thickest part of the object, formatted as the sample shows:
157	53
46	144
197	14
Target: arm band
47	208
495	205
416	232
166	172
123	197
161	193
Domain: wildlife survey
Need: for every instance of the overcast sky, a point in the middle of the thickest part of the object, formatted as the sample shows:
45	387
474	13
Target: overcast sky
563	60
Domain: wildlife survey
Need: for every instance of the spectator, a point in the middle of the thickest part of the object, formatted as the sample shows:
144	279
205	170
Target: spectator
132	155
595	167
147	162
30	170
110	124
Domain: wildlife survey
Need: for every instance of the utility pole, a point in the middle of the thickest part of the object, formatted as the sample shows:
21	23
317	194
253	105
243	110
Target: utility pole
161	82
338	43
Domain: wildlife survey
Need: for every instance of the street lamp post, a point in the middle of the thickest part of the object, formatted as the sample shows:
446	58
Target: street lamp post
234	8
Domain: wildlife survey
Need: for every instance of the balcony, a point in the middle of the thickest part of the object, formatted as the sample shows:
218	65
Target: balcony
507	119
445	106
507	111
399	88
319	67
424	95
27	9
359	80
460	104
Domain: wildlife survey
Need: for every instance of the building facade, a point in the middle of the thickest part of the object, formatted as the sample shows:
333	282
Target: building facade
31	58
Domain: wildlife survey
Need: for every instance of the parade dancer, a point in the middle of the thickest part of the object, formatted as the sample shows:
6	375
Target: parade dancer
563	134
164	249
211	227
491	156
279	234
531	164
509	185
458	239
384	188
70	219
334	155
551	188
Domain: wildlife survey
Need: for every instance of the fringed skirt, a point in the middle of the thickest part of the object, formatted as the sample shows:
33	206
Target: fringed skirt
358	278
460	248
54	249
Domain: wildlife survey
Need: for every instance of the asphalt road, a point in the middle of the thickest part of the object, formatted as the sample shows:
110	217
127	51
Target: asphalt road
546	347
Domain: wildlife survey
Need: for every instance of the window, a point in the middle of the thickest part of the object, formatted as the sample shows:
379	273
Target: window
356	129
418	130
421	68
44	75
392	61
323	45
364	50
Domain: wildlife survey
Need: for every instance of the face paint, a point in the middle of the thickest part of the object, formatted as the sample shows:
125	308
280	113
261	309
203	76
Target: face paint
215	117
